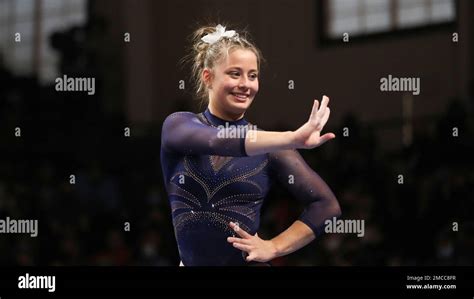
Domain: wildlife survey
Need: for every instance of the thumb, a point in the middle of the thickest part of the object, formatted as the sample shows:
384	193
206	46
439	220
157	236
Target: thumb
326	137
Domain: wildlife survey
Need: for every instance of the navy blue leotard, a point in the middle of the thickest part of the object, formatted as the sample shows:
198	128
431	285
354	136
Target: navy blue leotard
211	181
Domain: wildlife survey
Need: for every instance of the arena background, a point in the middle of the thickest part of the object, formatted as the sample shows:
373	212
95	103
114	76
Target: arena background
133	50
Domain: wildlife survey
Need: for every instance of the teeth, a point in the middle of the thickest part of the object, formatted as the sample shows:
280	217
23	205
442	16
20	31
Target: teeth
240	96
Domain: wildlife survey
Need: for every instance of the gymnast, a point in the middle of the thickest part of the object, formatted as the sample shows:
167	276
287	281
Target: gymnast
216	183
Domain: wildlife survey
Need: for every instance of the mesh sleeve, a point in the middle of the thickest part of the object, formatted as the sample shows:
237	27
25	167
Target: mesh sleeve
307	186
184	133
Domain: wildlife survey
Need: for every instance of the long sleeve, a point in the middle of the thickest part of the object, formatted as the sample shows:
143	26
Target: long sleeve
184	133
307	186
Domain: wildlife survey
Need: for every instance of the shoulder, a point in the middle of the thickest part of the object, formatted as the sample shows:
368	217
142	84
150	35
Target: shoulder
180	114
179	117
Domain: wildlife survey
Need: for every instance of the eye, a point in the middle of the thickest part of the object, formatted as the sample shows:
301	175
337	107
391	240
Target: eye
234	74
253	76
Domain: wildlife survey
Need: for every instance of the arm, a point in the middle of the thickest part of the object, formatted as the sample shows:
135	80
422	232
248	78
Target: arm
293	238
292	172
307	136
296	236
307	186
184	133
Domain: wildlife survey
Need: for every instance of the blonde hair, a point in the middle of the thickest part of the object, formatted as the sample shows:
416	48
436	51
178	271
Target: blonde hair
204	55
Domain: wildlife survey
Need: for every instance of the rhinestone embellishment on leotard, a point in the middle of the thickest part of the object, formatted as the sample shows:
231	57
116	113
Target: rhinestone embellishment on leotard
187	208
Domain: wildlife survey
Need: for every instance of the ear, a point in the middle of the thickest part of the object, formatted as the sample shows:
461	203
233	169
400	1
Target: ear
207	77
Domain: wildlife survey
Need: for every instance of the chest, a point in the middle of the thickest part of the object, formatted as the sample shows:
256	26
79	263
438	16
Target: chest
217	177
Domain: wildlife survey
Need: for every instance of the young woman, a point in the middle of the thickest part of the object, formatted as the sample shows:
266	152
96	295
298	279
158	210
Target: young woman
218	167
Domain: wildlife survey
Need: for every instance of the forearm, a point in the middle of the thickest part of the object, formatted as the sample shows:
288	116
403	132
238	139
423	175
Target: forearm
295	237
262	142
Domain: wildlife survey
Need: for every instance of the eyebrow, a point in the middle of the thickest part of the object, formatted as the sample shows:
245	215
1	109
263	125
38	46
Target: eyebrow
240	69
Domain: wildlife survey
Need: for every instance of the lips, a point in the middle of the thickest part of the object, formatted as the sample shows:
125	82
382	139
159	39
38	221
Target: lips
240	96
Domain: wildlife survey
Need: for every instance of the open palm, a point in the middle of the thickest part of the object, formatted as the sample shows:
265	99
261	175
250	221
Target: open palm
309	135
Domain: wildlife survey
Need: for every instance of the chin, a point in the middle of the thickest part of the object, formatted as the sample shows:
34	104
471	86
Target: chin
239	108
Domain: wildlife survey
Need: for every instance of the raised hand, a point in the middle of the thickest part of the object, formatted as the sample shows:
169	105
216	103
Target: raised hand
309	135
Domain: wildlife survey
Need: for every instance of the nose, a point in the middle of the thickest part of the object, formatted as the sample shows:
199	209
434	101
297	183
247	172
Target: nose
243	83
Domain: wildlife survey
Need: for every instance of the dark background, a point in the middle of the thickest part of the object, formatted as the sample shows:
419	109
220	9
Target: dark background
118	178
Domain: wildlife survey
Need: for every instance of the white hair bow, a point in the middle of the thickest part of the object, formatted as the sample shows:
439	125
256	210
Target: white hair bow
217	35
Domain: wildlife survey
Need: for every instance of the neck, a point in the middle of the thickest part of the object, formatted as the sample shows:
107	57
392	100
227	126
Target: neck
224	115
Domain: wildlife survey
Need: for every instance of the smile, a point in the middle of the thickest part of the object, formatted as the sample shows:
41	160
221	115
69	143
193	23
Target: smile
240	96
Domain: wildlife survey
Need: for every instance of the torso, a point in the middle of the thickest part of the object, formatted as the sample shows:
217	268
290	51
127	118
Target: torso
205	194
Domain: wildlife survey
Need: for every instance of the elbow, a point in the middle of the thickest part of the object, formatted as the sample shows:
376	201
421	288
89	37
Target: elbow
334	208
329	205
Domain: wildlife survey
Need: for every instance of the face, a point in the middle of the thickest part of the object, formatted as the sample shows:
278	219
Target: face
232	84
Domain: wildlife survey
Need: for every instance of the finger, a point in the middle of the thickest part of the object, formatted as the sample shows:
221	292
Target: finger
325	117
242	247
240	231
324	104
315	110
326	137
250	258
238	240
